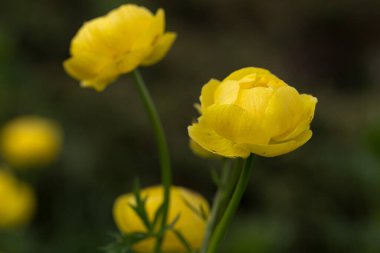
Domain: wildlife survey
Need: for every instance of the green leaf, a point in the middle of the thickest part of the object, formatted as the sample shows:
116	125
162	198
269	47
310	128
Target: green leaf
172	224
157	215
139	208
124	243
200	212
203	212
183	240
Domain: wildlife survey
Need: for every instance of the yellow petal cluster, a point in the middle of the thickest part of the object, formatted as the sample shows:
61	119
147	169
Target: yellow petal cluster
17	201
252	111
117	43
30	141
190	223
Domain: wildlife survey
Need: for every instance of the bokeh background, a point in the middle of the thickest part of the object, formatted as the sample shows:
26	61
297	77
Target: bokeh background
322	198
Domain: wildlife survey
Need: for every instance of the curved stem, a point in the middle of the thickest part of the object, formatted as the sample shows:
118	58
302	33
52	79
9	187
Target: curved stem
233	205
163	151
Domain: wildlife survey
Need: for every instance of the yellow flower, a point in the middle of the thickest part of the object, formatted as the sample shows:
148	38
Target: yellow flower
252	111
117	43
30	141
17	201
190	223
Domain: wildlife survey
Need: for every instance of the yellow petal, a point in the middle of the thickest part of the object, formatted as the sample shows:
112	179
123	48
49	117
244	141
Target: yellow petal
89	39
309	103
214	143
248	81
227	92
160	49
255	101
98	84
106	76
152	34
208	93
255	77
241	73
235	124
283	112
271	150
304	124
129	61
125	25
79	68
201	152
160	21
114	33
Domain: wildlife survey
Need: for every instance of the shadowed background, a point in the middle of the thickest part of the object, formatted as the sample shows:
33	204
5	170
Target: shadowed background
322	198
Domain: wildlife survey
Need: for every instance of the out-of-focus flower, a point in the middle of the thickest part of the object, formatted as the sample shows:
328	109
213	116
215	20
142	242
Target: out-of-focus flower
187	204
30	141
17	201
201	152
117	43
252	111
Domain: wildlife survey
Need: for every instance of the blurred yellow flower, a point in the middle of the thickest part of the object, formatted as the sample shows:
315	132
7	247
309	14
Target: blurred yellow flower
117	43
252	111
17	201
183	202
30	141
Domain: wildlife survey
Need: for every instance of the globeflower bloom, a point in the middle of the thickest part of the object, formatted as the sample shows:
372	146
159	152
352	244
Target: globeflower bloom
30	141
252	111
117	43
185	205
17	201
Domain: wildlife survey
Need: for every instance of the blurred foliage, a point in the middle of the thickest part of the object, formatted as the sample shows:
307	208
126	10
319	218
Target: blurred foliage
321	198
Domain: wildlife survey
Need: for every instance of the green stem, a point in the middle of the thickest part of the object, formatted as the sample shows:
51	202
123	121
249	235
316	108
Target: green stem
217	203
230	186
163	151
233	205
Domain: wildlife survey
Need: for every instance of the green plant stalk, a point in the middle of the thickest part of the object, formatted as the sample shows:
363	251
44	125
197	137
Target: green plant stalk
218	200
233	205
230	186
163	152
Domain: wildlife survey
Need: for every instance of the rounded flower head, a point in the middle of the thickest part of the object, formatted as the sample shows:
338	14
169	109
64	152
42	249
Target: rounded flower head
252	111
30	141
117	43
185	204
17	201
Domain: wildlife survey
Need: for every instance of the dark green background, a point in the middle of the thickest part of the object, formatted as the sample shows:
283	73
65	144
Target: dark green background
322	198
